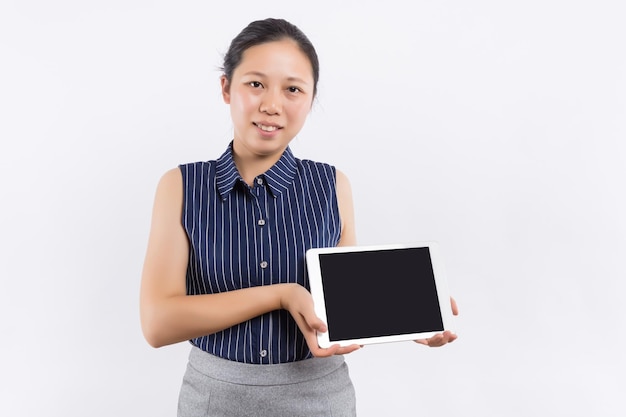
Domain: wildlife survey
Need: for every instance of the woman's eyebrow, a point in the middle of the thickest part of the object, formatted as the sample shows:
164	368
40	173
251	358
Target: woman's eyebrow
297	79
257	73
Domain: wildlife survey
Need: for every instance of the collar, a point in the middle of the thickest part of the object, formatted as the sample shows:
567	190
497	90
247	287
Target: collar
278	178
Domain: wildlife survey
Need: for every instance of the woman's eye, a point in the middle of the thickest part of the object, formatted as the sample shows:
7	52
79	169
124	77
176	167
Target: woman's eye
255	84
293	89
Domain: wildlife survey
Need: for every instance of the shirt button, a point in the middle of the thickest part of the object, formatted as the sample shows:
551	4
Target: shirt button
259	181
263	353
261	222
264	264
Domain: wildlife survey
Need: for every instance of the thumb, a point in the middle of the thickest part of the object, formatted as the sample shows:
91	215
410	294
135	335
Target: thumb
455	307
314	322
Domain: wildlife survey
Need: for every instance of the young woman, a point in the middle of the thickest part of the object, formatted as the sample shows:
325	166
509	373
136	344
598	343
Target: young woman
225	268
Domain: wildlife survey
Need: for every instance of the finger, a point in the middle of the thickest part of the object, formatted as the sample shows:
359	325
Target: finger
433	341
325	352
451	337
436	340
310	335
347	349
455	308
314	322
442	339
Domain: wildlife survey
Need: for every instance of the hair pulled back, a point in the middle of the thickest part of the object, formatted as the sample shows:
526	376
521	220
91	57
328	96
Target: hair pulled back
264	31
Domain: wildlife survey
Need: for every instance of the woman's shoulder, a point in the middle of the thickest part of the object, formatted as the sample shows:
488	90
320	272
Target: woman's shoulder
175	175
315	165
194	165
170	180
196	170
318	165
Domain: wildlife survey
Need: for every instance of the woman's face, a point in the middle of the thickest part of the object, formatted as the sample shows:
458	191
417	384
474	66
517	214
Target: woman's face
270	94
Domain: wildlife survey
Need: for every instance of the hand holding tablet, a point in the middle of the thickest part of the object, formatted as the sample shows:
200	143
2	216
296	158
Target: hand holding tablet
380	293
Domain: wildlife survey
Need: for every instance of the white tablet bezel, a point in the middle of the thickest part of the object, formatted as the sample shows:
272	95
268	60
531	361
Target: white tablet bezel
317	291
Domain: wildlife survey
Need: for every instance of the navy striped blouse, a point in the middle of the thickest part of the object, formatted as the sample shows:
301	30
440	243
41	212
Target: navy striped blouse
242	236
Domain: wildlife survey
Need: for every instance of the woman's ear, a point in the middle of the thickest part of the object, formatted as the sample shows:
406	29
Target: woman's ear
225	89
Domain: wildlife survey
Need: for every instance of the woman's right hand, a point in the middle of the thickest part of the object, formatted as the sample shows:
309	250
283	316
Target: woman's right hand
299	302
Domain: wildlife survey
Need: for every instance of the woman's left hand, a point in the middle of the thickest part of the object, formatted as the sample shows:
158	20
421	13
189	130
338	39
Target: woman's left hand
445	337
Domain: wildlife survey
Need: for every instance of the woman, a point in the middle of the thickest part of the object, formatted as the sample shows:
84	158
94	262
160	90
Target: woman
225	261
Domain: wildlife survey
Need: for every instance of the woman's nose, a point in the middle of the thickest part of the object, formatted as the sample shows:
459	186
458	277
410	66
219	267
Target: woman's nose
271	103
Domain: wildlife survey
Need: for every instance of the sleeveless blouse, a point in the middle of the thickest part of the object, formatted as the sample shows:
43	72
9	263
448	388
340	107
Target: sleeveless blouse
242	236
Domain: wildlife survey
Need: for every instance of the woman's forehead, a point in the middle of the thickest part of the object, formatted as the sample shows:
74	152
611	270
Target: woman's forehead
283	58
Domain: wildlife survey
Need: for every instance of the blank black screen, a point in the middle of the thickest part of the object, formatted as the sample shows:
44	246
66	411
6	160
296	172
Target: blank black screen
379	293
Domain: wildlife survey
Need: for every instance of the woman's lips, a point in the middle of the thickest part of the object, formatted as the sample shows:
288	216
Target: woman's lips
267	128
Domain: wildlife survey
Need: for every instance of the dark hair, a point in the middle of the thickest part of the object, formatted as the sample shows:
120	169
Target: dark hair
264	31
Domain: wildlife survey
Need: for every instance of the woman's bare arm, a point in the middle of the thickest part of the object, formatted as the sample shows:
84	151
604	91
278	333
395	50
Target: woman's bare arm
346	210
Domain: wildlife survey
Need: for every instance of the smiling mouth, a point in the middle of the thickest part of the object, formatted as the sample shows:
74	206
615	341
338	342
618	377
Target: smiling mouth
266	128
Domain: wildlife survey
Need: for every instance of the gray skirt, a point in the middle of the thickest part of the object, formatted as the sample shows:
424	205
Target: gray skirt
213	386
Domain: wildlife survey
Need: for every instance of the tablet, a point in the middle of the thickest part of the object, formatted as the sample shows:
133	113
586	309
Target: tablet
379	293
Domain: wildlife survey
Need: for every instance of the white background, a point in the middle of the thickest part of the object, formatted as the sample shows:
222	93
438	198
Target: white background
496	128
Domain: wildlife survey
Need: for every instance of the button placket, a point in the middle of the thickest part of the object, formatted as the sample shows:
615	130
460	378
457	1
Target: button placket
260	252
260	218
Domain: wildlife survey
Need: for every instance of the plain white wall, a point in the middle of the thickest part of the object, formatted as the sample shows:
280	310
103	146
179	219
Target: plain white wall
496	128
